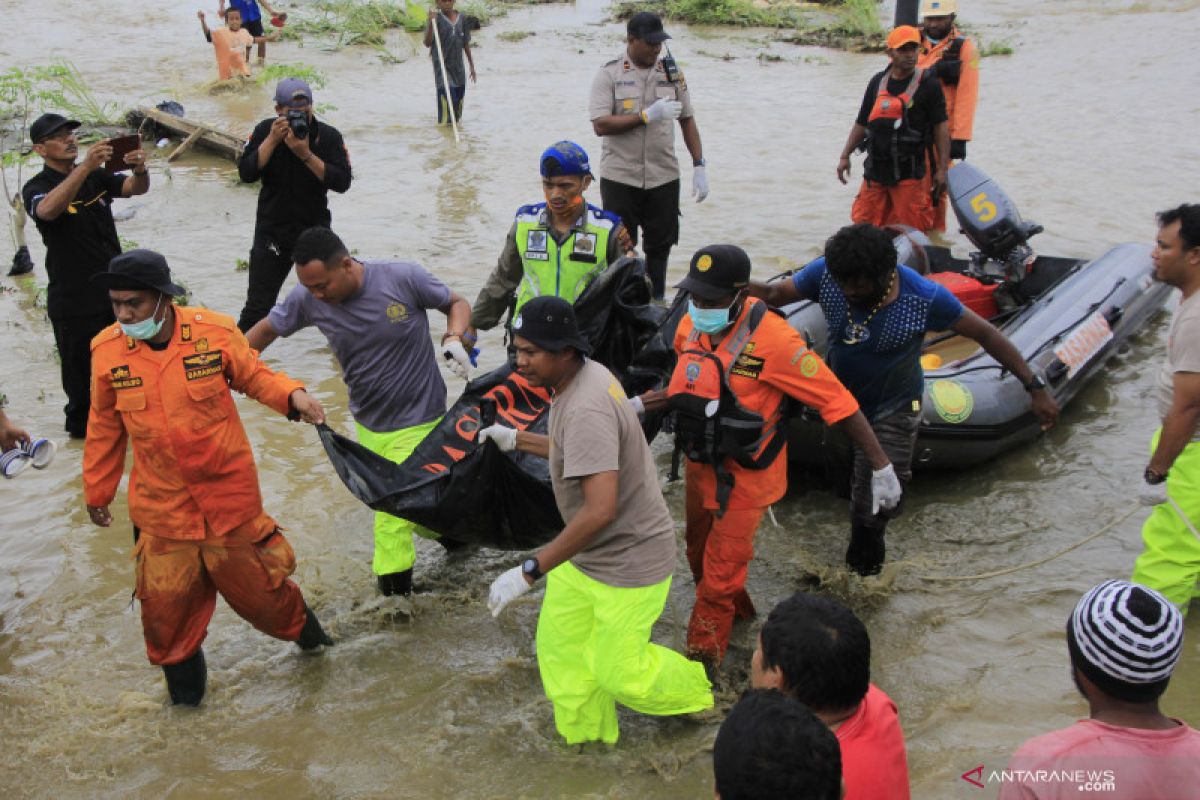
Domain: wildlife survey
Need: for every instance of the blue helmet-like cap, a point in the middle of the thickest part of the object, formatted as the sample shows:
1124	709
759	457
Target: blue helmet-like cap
564	158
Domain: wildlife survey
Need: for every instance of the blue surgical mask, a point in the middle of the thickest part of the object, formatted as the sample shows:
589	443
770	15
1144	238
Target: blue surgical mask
709	320
147	328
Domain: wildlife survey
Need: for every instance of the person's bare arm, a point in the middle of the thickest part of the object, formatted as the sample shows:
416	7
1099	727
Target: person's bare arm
470	61
614	124
859	430
266	149
433	15
691	137
534	444
458	316
598	510
857	134
1180	425
138	181
941	137
204	26
262	334
998	346
777	293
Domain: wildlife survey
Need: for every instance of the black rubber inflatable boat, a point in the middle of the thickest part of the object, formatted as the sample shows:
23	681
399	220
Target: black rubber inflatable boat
1067	316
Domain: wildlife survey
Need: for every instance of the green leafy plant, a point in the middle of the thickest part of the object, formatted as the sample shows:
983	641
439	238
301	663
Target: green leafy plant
277	72
1002	47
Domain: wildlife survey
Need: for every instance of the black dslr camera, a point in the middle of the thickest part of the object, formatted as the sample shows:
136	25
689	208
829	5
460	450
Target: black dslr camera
298	122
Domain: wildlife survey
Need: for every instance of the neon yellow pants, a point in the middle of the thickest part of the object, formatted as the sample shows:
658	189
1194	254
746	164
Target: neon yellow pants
1170	559
394	551
594	650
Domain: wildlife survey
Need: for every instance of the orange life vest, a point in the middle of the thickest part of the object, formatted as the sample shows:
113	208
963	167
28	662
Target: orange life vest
710	424
889	136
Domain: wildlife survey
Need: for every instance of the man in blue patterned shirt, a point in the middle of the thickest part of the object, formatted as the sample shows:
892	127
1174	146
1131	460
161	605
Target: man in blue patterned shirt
878	313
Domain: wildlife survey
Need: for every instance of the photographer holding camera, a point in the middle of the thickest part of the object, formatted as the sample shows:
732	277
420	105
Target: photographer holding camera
296	179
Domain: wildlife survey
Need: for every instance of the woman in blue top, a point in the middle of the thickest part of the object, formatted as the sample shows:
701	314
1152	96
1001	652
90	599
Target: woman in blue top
878	313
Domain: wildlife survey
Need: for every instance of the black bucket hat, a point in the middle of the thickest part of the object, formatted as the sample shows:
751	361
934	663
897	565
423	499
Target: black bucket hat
549	322
138	269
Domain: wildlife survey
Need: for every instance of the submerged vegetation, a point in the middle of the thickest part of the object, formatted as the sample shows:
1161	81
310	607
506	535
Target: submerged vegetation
851	24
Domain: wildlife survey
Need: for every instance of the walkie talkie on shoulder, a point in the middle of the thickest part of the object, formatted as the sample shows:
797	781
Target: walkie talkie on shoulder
670	67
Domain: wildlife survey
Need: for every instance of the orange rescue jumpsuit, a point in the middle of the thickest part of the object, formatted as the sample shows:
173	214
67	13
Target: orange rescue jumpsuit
774	364
961	99
193	489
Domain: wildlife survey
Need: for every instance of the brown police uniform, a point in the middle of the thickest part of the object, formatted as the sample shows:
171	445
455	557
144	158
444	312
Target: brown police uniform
639	174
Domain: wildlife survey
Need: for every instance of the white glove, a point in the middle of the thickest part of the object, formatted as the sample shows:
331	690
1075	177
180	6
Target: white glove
663	109
1153	494
885	489
508	587
504	437
699	184
456	354
637	405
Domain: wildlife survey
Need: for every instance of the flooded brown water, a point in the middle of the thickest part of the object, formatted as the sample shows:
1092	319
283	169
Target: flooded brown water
1090	126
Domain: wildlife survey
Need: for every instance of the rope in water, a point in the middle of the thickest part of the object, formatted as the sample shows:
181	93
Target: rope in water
1039	562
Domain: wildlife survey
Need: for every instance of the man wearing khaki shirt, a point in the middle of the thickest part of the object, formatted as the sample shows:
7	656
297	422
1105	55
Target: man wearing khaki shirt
634	99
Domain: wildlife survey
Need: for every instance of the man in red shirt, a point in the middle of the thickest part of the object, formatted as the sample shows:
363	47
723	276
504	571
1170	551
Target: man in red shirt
1124	640
816	650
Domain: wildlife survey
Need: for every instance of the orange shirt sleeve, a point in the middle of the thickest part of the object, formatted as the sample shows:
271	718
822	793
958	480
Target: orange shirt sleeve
248	375
790	366
966	95
104	449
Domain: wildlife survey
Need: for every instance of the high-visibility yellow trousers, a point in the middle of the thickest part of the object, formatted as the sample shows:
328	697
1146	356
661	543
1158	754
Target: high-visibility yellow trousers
394	551
594	651
1170	559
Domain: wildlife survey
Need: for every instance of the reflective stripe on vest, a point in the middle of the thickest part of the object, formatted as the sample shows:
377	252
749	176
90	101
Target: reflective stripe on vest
562	270
712	424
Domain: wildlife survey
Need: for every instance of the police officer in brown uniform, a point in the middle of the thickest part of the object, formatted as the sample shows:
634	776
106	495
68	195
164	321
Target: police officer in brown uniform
634	99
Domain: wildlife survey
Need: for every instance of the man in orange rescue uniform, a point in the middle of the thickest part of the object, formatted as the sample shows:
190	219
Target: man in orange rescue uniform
738	364
902	125
161	376
954	59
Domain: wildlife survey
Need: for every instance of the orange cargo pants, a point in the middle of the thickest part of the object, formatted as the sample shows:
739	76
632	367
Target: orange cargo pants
178	581
719	552
906	203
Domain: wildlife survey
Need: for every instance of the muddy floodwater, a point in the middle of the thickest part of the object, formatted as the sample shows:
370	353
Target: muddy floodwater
1090	126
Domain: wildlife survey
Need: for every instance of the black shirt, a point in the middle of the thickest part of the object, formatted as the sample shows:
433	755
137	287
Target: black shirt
928	108
79	243
292	198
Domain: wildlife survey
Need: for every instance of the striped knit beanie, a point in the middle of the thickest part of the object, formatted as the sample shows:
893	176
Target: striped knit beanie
1122	634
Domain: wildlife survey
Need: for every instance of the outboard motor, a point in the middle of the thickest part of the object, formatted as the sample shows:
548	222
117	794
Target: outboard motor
992	222
910	245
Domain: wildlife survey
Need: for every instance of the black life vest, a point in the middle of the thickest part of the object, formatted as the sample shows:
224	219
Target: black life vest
710	424
890	136
949	67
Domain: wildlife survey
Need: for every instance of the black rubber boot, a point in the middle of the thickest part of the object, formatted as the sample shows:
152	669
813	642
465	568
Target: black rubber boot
187	680
867	550
395	583
22	264
312	635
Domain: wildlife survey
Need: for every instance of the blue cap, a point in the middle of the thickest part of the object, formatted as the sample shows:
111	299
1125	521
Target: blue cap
564	158
289	89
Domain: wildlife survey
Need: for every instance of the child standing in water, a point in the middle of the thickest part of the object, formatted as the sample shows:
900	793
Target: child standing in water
252	21
230	41
456	40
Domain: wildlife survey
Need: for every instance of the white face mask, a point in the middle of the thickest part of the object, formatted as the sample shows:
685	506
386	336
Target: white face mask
147	328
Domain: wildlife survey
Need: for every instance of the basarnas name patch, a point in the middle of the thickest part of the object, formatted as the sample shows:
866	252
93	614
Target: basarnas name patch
121	378
748	366
201	365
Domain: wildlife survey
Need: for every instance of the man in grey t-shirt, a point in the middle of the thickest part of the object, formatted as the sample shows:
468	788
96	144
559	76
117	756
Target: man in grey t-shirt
374	315
609	570
1170	559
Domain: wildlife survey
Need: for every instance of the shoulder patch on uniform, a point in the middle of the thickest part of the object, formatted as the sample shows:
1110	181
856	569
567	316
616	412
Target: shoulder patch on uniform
207	316
600	214
109	334
533	209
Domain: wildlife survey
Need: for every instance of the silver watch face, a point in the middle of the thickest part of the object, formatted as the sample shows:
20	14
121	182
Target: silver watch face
530	567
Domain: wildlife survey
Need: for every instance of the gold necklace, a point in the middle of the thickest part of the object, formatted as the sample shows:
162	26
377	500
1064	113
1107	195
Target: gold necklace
857	332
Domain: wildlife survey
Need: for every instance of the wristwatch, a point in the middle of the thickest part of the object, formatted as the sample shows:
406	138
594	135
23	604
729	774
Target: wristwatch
1153	478
698	162
531	568
1034	384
